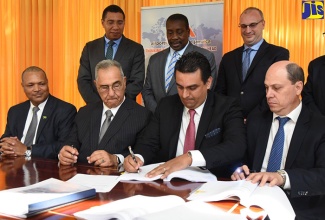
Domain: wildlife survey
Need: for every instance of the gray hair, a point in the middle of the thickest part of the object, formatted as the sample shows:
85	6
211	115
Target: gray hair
106	64
295	73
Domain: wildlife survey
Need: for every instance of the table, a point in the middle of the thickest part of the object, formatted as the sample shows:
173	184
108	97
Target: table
19	171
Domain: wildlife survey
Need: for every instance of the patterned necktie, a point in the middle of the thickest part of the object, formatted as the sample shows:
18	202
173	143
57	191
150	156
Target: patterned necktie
246	62
189	143
170	71
277	147
105	124
109	52
32	128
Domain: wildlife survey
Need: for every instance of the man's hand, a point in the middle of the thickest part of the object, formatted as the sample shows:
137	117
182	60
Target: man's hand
178	163
130	165
102	159
11	146
273	178
68	155
240	173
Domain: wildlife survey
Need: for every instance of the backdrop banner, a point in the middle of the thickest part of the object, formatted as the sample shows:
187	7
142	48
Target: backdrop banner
206	27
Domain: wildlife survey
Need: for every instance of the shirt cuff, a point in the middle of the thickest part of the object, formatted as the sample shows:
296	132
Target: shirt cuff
121	158
287	185
197	159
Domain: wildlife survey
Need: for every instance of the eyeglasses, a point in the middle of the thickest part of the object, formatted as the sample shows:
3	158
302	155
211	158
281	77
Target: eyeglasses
251	25
115	87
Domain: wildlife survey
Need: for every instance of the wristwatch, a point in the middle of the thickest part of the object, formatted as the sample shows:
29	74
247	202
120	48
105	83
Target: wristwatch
28	152
283	174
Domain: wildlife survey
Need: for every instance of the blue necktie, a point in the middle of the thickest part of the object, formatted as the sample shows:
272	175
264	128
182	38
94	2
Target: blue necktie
109	52
170	71
246	62
277	147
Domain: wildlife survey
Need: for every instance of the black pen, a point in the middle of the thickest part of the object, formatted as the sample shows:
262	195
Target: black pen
133	157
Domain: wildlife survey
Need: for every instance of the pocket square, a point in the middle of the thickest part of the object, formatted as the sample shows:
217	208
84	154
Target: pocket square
213	133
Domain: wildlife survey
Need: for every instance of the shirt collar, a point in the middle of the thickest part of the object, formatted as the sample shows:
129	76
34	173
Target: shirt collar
180	52
293	115
117	42
114	110
256	46
41	106
198	110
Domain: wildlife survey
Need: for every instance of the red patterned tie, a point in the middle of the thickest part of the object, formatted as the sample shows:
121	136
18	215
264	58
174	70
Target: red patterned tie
189	143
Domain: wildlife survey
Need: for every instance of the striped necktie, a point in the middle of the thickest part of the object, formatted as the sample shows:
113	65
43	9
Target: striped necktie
170	71
109	52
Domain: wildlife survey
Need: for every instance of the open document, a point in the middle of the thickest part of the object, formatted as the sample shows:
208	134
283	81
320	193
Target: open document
272	199
193	174
30	200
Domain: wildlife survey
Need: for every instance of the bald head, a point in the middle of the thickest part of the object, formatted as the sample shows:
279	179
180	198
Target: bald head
284	82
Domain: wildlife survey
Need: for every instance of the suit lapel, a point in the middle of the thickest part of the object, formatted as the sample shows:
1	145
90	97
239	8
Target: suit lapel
21	119
239	63
175	126
46	115
299	133
205	119
95	125
161	65
258	56
122	48
262	140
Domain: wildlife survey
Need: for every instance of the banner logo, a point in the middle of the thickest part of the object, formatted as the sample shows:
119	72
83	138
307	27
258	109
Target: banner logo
312	9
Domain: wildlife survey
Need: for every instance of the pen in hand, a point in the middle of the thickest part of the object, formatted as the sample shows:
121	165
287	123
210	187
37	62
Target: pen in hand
133	157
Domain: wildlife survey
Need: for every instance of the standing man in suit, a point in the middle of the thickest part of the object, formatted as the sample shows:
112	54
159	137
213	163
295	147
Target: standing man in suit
314	90
38	133
242	71
103	130
195	127
160	79
299	165
115	46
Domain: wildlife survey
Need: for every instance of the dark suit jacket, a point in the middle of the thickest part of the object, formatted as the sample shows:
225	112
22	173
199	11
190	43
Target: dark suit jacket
305	163
313	94
129	54
53	129
250	92
154	87
220	113
127	124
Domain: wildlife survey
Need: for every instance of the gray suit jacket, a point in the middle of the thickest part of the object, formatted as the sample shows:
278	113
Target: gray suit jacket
129	54
127	124
154	86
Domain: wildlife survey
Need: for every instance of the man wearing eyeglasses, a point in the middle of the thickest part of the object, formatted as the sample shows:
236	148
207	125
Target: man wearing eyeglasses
242	71
103	130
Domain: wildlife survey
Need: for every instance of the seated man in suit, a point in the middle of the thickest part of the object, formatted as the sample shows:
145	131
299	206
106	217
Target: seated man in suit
39	126
115	46
160	79
103	130
242	71
314	90
195	127
286	143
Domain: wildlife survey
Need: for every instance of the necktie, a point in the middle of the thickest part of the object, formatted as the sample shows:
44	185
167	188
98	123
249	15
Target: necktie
189	143
246	62
105	125
277	147
32	128
109	52
170	71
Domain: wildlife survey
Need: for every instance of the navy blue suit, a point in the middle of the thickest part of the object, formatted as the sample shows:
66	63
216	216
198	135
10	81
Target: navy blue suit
53	129
305	163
